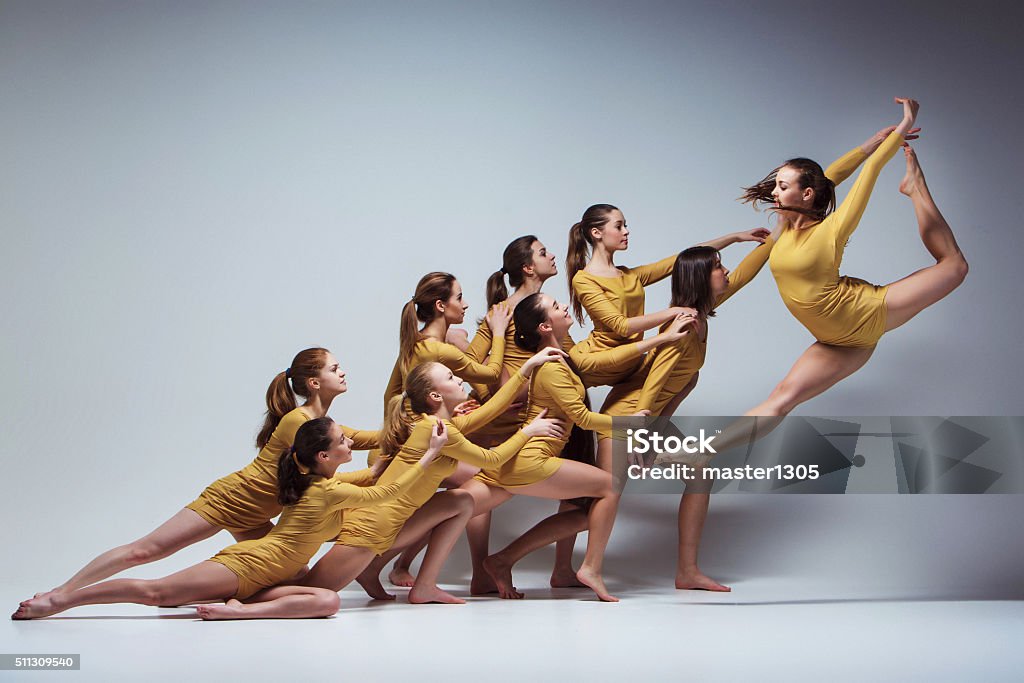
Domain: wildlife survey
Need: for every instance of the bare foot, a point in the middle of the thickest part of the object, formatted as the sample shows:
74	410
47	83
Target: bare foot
699	582
501	573
482	584
565	578
913	181
400	576
232	609
36	608
373	587
594	582
422	595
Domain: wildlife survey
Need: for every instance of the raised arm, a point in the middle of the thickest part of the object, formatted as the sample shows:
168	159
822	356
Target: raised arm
755	235
362	439
653	272
341	494
747	269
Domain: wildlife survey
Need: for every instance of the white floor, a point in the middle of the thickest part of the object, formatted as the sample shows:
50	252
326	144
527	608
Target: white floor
845	587
765	630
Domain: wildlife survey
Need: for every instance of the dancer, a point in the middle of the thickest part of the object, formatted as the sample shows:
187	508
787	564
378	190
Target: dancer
846	315
245	501
613	296
537	470
245	575
438	304
431	391
699	281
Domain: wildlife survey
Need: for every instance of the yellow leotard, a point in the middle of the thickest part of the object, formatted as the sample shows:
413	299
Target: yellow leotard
376	528
838	310
558	389
677	365
506	423
305	526
610	302
247	499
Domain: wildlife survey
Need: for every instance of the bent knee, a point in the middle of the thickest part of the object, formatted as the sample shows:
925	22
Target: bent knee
462	501
327	603
142	553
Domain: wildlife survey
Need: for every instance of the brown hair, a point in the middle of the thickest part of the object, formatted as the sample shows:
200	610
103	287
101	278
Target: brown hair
517	255
691	279
311	438
402	409
281	395
580	246
432	287
809	174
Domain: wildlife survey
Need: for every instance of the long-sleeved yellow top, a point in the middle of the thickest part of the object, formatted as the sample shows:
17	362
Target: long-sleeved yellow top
836	309
611	302
247	499
558	389
679	362
377	528
306	525
463	365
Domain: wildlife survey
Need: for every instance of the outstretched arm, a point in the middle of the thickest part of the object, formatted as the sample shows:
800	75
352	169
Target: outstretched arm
755	235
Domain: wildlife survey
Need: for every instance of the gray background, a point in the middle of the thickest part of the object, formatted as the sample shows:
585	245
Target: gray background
193	192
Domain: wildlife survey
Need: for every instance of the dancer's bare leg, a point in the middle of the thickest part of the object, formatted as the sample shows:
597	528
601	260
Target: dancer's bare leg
819	368
562	574
693	511
442	539
180	531
339	567
204	581
279	602
907	297
401	573
562	525
576	480
478	532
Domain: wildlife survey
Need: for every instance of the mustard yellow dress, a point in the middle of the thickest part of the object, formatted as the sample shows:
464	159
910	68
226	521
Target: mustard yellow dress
839	310
610	302
376	528
560	390
305	526
679	362
247	499
508	422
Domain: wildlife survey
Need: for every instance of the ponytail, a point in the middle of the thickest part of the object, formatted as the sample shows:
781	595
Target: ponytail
296	466
403	409
496	290
580	247
432	287
306	365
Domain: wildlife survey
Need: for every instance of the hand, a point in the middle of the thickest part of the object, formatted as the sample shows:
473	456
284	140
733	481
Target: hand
545	355
543	426
910	108
755	235
498	317
683	310
379	465
438	438
677	328
466	407
456	336
873	143
642	413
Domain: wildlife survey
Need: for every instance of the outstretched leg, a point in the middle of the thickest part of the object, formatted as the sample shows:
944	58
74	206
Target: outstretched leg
820	367
204	581
907	297
180	531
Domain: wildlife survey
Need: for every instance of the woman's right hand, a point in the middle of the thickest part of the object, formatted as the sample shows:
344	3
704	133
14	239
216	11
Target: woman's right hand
543	356
544	426
498	318
438	438
910	108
